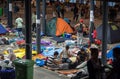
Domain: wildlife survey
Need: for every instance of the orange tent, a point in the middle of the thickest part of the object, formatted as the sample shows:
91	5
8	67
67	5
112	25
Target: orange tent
62	27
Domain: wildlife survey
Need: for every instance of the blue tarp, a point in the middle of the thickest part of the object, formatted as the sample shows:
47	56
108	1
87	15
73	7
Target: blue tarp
110	53
51	52
2	29
48	50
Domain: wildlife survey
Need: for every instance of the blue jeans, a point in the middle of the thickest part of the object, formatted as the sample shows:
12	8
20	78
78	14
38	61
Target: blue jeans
19	31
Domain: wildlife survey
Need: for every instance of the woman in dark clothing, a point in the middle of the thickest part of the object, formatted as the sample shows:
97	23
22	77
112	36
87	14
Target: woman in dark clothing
94	65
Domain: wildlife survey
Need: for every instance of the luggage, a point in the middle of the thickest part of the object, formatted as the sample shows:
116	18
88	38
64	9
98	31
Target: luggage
8	73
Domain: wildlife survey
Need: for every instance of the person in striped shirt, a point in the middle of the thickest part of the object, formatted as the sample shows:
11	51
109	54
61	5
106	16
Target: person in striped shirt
53	61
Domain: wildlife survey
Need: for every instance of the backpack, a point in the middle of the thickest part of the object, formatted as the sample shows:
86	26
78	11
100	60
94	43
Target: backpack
80	28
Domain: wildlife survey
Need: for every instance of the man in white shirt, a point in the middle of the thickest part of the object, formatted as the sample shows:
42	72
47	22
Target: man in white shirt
19	25
65	54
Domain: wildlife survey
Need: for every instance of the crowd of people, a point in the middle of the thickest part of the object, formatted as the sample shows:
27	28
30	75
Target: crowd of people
7	61
94	66
78	10
89	63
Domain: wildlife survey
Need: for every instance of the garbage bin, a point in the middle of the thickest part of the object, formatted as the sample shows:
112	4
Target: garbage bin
1	11
24	68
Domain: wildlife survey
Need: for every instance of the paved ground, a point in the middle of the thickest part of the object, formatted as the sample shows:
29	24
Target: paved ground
41	73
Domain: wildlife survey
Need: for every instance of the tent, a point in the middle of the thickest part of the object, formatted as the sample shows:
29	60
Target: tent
2	29
58	26
67	20
112	33
110	53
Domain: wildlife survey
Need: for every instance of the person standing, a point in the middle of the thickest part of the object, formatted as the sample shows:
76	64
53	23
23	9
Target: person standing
51	2
79	28
75	12
54	10
67	2
58	9
94	65
5	9
16	8
62	10
19	25
34	21
33	2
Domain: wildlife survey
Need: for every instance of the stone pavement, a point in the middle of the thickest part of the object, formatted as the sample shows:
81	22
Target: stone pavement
41	73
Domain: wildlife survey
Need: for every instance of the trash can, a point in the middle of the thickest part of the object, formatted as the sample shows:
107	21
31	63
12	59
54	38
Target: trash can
1	11
24	68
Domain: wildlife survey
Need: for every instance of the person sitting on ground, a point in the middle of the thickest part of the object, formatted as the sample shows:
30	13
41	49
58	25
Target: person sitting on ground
53	61
1	57
83	55
4	63
11	55
80	58
65	54
94	65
